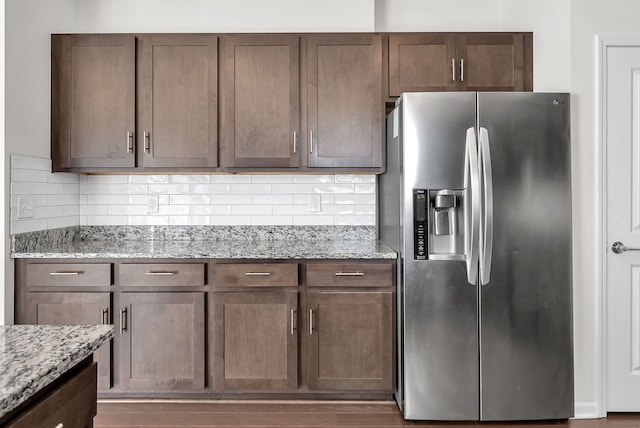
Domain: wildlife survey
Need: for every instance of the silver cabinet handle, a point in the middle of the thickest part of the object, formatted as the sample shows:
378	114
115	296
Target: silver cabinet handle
310	321
123	320
293	322
462	70
618	247
295	141
105	316
160	273
453	69
310	141
66	273
129	142
257	273
147	142
60	425
349	273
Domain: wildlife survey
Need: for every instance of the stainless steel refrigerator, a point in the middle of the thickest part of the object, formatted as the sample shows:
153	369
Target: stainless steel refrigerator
476	200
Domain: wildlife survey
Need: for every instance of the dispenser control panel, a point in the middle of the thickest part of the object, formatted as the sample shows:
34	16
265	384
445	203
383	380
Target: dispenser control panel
420	222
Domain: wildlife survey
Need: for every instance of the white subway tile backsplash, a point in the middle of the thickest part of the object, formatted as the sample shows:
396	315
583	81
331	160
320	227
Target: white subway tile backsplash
291	188
231	220
214	189
149	179
252	189
64	199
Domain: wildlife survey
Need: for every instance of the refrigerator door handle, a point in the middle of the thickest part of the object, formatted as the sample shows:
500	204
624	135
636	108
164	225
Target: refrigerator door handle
486	247
471	206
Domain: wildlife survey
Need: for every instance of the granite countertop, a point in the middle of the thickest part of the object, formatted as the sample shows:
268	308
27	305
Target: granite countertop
209	243
33	356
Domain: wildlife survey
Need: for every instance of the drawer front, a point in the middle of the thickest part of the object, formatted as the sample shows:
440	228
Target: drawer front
349	275
162	274
68	274
256	275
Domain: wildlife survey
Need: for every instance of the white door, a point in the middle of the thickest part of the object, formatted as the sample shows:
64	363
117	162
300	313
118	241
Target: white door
623	225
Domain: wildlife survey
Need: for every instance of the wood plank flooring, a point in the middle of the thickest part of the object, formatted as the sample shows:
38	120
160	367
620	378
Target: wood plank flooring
267	414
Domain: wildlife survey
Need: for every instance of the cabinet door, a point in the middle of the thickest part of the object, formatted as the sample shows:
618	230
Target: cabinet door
350	338
345	108
60	308
422	62
162	341
495	62
260	112
93	101
255	344
179	101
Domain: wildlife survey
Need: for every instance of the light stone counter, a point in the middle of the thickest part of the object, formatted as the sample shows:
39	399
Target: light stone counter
33	356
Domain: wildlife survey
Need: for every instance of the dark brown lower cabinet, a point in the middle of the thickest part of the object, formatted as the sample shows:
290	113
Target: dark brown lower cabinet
60	308
255	340
162	341
350	340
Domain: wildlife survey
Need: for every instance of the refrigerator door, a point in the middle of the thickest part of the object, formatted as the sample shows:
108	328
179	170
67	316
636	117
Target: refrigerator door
526	359
440	335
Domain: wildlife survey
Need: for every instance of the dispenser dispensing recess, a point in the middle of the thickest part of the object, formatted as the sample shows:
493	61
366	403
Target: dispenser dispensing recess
438	224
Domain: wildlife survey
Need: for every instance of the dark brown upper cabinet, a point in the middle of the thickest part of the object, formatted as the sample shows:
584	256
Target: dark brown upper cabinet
344	108
98	124
460	62
178	118
93	101
260	113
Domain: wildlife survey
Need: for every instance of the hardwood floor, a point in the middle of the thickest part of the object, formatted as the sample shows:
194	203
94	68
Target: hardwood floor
352	414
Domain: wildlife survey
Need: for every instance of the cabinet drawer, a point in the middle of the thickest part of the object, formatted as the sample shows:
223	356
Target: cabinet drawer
68	274
162	274
349	275
256	275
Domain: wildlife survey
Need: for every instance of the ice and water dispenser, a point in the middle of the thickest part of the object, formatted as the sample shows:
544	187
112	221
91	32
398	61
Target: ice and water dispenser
438	224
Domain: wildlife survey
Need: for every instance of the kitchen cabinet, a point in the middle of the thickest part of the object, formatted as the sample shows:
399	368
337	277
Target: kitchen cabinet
161	331
254	327
459	62
49	300
62	308
345	110
260	112
350	327
101	118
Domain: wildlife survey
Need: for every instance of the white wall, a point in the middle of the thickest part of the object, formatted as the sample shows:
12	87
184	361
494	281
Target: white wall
28	25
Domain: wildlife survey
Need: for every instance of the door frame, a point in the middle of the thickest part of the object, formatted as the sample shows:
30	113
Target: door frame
598	408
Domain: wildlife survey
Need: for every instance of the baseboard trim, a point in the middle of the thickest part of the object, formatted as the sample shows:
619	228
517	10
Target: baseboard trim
587	410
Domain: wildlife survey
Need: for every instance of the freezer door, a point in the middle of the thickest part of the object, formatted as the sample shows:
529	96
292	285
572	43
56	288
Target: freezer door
439	307
526	359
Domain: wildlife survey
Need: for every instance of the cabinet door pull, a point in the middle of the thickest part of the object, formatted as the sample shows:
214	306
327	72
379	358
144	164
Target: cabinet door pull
310	141
295	142
349	273
147	142
257	273
105	316
453	69
310	321
293	321
123	320
66	273
462	70
60	425
160	273
129	142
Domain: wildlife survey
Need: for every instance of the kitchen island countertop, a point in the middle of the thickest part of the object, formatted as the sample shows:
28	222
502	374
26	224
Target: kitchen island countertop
33	356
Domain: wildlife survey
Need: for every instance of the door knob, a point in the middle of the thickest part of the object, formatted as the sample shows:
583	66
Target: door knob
618	247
